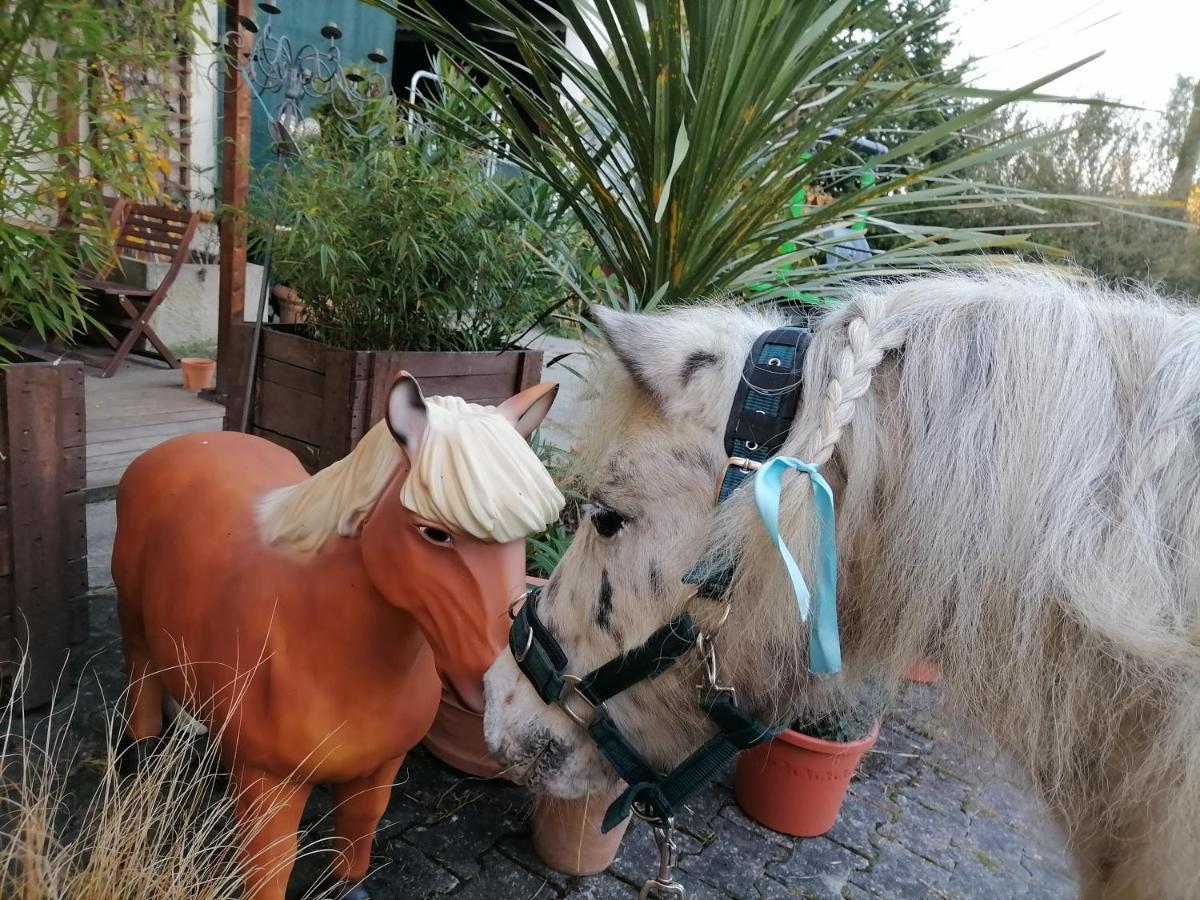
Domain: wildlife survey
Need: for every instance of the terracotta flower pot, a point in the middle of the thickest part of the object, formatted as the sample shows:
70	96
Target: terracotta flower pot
198	374
795	784
291	309
923	671
456	738
567	836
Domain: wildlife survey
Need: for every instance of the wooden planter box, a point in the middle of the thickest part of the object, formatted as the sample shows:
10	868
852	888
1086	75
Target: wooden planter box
43	530
318	402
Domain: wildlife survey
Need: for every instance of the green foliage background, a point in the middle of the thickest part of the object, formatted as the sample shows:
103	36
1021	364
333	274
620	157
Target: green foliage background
92	60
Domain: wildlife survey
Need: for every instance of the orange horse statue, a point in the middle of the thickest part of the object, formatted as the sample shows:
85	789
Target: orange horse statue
308	621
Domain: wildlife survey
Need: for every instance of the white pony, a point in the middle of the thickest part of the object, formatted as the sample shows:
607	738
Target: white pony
1016	461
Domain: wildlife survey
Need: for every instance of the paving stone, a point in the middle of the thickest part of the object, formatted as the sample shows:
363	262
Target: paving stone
499	877
459	839
698	813
857	824
900	874
928	834
939	792
734	862
817	868
972	880
1044	884
879	792
603	887
519	848
408	873
638	857
992	842
1007	802
733	813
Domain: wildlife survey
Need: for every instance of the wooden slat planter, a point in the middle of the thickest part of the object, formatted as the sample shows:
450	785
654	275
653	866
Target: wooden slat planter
43	531
318	402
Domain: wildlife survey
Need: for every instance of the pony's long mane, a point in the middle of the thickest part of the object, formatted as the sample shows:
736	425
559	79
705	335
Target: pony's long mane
472	472
1017	461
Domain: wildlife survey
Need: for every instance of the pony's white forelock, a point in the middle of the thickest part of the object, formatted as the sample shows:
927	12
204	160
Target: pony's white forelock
472	473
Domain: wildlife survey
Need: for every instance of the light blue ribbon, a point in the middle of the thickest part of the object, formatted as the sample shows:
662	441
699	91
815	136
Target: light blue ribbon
824	645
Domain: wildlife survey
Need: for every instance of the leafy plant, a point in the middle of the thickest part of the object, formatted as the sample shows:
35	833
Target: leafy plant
79	89
407	245
681	134
544	550
848	722
1093	157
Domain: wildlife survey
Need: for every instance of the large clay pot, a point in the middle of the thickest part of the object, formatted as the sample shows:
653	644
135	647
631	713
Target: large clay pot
198	374
456	738
795	784
567	836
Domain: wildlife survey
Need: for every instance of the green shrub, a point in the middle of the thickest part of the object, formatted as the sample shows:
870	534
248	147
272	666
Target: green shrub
410	245
103	61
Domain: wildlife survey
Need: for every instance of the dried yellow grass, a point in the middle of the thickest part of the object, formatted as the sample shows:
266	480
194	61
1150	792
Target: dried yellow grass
164	832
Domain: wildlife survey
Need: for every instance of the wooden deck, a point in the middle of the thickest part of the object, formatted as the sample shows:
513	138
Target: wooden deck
140	406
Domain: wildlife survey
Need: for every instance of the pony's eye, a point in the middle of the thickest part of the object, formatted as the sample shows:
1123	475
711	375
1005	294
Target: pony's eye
435	535
607	522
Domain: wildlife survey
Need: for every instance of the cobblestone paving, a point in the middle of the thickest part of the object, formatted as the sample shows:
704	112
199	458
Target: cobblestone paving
925	817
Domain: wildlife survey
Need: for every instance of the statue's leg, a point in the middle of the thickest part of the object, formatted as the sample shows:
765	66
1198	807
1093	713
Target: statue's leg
139	736
268	810
358	807
145	688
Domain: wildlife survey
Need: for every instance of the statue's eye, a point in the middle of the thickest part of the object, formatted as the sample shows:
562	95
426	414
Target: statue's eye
435	535
607	522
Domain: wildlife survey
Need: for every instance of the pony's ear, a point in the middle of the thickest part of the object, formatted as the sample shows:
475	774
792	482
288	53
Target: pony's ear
406	413
671	358
527	409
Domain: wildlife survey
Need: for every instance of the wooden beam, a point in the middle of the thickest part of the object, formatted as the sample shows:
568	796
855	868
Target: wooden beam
235	190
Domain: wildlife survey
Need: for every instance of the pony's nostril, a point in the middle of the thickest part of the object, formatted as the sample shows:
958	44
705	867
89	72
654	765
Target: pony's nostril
510	698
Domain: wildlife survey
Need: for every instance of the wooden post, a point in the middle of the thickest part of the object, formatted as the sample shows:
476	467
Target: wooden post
235	190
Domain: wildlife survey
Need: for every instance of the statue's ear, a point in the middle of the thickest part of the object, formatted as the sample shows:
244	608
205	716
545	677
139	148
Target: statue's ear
527	409
672	358
406	413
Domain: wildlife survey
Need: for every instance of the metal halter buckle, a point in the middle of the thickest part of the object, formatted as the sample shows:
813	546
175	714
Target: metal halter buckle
512	614
735	462
664	883
585	718
708	654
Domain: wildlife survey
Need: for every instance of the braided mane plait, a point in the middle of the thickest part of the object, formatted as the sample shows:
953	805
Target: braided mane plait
849	381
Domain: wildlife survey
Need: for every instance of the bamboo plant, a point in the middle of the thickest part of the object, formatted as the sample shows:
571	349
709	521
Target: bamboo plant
684	127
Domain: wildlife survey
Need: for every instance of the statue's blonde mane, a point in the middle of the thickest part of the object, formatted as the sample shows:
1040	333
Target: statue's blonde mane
472	472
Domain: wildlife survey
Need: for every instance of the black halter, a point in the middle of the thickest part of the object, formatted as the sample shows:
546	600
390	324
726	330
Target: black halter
762	414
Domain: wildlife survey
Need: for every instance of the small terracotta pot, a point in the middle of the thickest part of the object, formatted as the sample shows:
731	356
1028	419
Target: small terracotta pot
198	374
456	738
795	784
923	671
567	836
291	309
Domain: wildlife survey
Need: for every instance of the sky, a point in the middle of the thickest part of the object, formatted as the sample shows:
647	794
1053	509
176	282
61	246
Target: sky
1146	43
